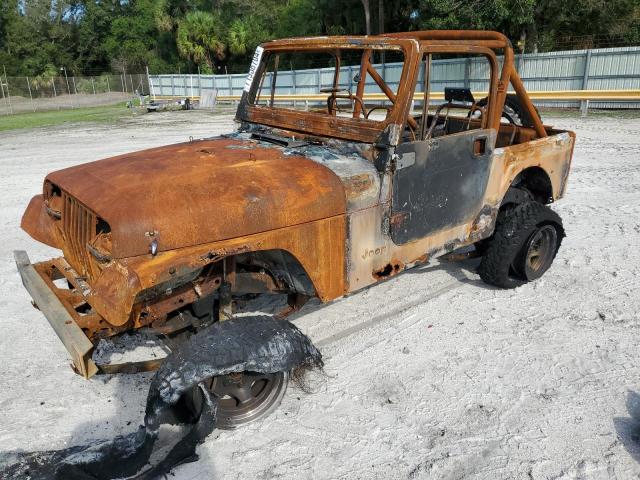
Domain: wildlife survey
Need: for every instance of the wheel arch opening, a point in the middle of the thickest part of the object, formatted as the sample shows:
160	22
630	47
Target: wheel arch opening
283	266
533	181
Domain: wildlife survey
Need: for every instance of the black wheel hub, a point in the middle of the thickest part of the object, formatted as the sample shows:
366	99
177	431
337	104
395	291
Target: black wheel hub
538	252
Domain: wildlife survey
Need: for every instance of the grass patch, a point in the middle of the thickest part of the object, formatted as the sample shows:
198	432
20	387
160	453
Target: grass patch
106	113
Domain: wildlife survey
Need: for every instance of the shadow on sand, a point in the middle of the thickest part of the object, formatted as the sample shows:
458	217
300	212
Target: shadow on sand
628	428
180	411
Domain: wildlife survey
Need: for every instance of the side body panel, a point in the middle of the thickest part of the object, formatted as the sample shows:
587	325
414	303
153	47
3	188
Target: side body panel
444	187
374	256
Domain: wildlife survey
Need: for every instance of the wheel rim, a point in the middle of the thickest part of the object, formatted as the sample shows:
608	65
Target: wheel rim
539	251
244	397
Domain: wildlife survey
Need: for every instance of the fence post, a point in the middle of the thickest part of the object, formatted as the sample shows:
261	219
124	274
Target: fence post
132	87
152	90
293	82
584	107
230	85
30	96
54	87
319	80
2	90
518	62
108	87
6	80
584	104
75	89
3	97
467	72
93	85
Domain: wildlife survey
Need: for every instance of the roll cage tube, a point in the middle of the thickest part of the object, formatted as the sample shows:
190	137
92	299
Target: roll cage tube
491	40
358	98
489	54
323	124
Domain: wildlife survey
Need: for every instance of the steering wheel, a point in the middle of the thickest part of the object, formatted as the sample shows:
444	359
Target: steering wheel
377	107
332	99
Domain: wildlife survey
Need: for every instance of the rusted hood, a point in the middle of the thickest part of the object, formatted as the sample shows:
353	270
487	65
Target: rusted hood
202	191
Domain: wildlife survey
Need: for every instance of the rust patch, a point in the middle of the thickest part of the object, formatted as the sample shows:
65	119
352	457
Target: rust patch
389	270
358	184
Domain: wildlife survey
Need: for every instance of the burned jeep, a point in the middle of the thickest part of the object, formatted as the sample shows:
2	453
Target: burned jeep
376	166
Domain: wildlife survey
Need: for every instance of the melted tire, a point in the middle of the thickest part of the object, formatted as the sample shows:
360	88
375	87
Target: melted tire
505	250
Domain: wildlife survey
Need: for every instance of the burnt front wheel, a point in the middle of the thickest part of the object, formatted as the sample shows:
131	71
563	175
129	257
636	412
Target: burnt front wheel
243	397
523	246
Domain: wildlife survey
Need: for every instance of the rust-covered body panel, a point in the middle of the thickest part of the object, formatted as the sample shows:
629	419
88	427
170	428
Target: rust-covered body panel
319	246
201	191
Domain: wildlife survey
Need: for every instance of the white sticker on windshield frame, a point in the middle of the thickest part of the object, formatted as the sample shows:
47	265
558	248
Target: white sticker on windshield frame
255	62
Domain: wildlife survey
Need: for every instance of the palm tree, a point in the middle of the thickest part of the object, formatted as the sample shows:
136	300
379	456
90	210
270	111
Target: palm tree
199	38
239	37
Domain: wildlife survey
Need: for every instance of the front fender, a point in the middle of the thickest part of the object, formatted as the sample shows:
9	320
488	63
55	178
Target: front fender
318	246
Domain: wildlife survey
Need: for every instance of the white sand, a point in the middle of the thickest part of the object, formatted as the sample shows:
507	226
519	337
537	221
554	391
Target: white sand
431	374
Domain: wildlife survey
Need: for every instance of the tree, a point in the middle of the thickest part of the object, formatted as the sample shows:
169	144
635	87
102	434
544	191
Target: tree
200	38
37	37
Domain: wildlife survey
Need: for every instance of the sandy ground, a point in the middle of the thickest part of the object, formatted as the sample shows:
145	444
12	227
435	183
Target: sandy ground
431	374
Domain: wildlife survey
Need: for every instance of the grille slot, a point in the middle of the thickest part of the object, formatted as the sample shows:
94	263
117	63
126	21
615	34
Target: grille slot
79	227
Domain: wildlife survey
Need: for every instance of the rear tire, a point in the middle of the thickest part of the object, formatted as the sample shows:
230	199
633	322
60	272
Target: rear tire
523	246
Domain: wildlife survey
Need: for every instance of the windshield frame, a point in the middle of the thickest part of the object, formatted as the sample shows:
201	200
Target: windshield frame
324	124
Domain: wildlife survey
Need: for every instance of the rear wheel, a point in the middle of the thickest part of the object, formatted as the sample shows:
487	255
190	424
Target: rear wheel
523	246
538	253
242	397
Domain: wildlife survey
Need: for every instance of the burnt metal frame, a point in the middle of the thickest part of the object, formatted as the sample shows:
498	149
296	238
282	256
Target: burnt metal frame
466	40
454	41
488	118
358	129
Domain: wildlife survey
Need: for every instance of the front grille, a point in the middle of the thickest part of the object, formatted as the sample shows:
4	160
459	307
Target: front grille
79	227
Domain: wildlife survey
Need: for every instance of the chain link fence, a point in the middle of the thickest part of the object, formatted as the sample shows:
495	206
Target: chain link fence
34	94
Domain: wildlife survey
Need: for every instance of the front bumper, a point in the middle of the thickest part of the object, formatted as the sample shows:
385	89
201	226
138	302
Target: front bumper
44	297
